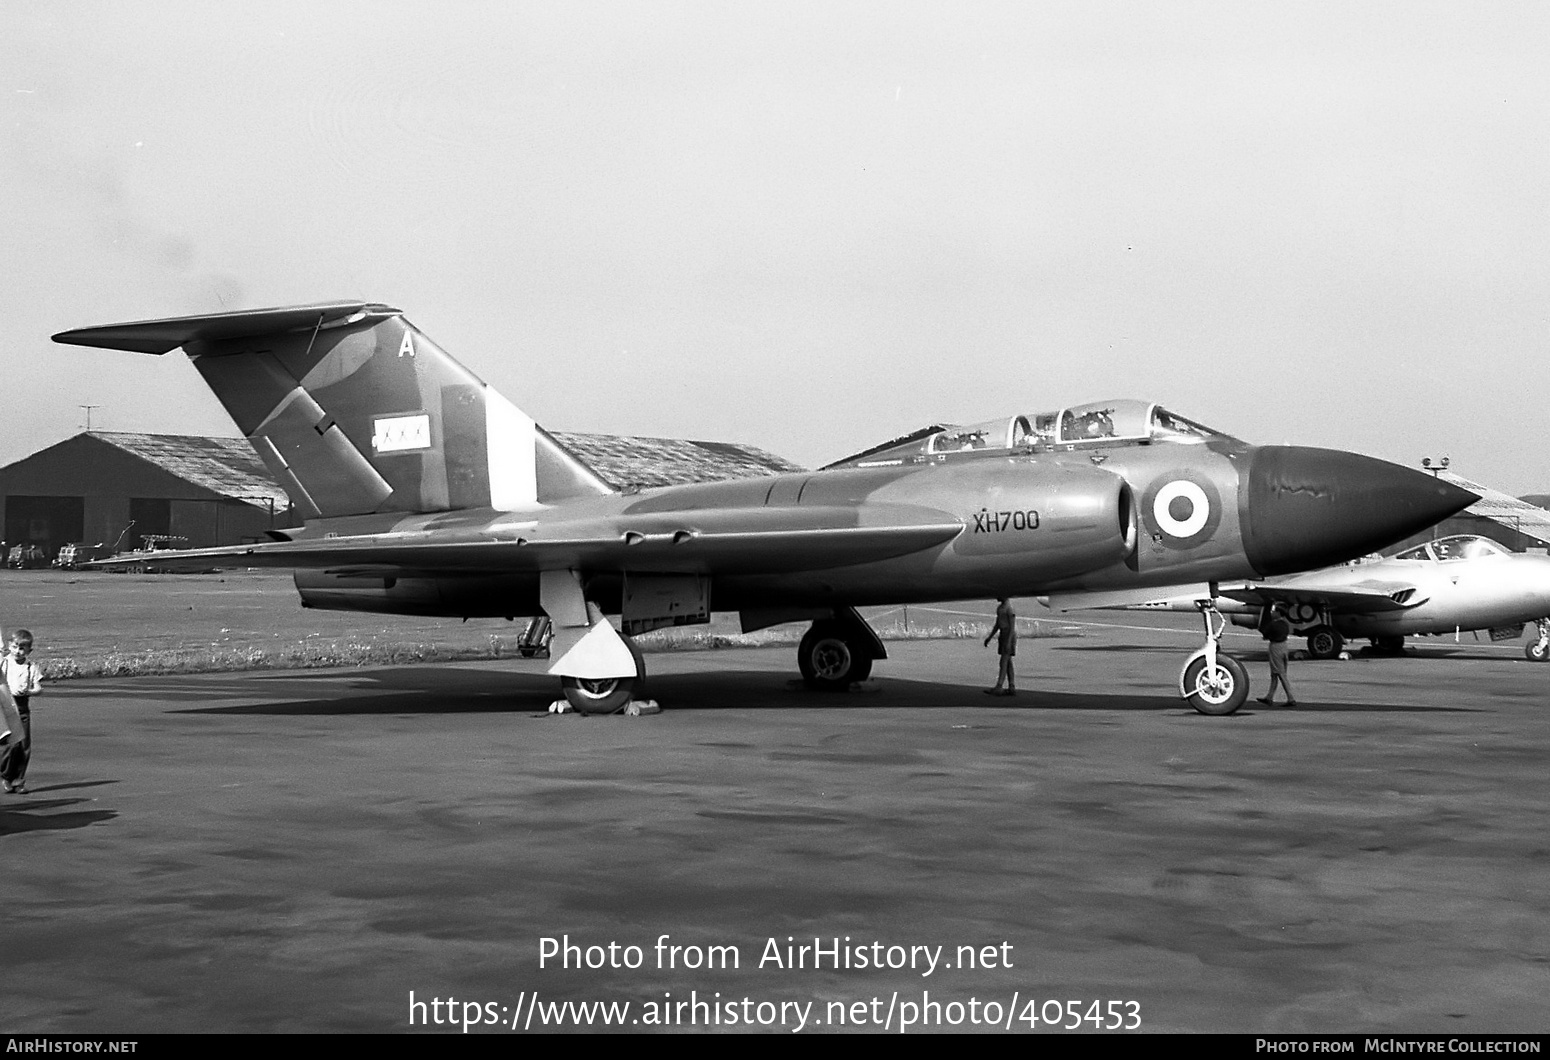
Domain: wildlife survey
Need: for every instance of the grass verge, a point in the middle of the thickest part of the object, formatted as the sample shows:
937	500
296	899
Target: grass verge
397	648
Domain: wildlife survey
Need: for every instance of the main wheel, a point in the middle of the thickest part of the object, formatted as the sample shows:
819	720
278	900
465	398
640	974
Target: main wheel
1324	643
608	695
1389	644
1537	650
832	657
1221	689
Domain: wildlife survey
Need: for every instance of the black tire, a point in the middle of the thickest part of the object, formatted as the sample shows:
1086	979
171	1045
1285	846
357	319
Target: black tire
1221	692
833	657
1324	643
1536	650
1389	645
607	696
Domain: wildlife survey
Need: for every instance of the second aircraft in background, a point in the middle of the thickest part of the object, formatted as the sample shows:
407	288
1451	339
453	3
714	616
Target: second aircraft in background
1448	586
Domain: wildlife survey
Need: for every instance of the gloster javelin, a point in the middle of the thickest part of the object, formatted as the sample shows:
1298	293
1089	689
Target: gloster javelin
426	492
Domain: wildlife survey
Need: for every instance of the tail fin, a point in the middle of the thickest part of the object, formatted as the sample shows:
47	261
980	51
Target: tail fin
355	411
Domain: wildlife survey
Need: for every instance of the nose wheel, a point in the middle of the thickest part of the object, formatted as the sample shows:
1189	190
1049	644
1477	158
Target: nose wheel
1213	682
1216	688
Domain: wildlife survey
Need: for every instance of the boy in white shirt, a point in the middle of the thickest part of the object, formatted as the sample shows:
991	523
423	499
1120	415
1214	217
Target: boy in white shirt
24	680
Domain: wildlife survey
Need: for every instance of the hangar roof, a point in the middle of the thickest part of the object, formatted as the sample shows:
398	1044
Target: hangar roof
227	466
1520	515
627	460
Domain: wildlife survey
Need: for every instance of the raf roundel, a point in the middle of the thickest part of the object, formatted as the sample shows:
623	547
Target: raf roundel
1182	511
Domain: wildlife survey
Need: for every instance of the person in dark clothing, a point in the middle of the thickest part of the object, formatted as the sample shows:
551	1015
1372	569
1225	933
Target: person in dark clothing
1005	630
1275	628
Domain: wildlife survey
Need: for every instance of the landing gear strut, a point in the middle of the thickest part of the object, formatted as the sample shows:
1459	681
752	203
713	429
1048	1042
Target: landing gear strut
1539	650
598	668
1212	681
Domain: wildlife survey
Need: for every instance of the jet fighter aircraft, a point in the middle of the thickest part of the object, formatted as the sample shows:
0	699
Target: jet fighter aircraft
427	492
1450	585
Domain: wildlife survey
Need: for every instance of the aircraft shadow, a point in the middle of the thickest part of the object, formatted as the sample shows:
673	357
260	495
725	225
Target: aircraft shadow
423	678
409	690
23	814
412	691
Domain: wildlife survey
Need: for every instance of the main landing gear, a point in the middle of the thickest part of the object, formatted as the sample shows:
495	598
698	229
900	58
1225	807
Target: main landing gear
1325	643
599	668
837	652
1539	650
1212	681
607	695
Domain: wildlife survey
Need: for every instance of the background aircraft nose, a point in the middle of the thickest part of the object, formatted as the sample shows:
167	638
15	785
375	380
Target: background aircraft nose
1303	508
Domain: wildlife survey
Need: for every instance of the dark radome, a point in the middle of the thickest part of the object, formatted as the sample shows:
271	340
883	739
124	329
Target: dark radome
1303	508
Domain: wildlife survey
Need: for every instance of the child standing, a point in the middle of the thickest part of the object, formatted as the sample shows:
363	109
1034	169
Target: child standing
24	680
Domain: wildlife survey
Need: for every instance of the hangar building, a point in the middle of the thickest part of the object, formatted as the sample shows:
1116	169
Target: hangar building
113	488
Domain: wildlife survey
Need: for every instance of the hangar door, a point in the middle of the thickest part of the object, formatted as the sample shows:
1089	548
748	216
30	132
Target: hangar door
151	515
47	522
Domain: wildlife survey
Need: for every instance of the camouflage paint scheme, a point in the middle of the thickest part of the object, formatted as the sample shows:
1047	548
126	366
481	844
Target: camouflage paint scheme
428	493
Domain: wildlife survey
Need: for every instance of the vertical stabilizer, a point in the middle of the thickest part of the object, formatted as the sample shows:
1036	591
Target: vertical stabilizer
355	411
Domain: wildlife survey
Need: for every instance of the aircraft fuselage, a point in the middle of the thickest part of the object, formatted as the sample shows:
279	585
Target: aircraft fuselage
1018	524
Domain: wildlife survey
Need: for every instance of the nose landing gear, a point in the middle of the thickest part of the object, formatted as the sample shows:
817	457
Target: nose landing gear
1212	681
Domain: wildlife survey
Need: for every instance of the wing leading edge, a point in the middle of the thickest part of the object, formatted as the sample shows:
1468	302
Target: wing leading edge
1364	599
725	542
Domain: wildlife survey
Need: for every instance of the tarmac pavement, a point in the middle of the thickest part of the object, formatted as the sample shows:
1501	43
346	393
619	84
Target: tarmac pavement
326	851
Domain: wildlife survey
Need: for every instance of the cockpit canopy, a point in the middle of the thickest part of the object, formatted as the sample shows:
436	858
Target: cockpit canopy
1101	422
1460	546
1097	423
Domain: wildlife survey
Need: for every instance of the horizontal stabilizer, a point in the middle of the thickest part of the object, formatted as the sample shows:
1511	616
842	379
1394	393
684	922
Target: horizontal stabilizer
164	336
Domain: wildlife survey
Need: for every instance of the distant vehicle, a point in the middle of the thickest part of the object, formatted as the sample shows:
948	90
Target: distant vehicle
26	557
160	542
75	553
1458	583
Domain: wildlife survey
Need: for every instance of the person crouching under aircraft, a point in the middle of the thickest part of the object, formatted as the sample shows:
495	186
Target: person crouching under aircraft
1275	628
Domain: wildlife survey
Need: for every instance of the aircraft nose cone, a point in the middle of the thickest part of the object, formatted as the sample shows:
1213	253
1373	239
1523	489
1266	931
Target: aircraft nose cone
1302	508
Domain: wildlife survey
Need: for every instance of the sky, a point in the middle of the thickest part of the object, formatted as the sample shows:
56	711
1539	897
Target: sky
807	227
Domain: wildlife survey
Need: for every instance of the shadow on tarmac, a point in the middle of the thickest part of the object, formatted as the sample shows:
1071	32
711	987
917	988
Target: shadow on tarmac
431	691
22	813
